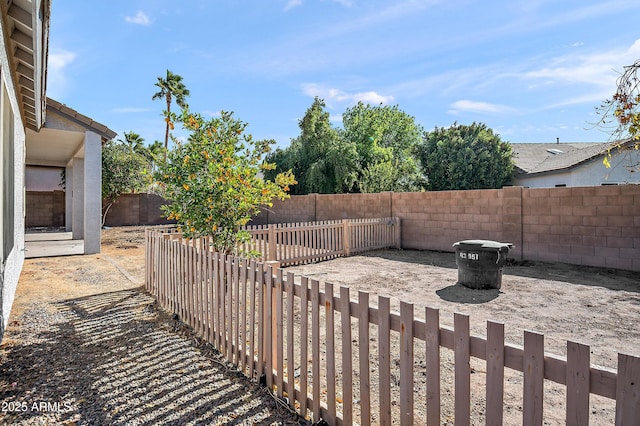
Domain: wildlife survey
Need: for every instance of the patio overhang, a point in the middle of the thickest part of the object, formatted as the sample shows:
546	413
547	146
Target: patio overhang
73	143
63	136
53	147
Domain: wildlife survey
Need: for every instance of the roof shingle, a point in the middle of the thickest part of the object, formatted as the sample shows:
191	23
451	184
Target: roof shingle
532	158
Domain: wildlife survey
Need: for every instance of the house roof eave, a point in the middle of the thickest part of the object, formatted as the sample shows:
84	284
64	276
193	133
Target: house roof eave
69	113
25	25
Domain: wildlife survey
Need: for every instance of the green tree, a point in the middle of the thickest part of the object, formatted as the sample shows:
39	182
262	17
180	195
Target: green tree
123	171
386	141
134	141
171	88
465	157
213	181
154	153
321	161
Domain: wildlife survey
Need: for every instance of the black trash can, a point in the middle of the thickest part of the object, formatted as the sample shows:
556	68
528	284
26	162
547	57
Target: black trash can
480	263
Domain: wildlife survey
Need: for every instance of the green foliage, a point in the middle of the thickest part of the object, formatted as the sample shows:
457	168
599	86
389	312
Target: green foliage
386	140
212	181
134	141
465	157
153	154
123	171
375	151
319	159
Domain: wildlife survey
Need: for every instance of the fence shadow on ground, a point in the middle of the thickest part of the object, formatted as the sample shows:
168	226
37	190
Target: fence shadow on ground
613	279
115	359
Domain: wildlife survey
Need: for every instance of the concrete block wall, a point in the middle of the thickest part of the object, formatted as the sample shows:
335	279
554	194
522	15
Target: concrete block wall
353	206
298	208
436	220
592	226
150	213
125	211
45	209
136	209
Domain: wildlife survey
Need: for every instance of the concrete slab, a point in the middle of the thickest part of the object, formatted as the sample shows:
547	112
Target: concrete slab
53	248
48	236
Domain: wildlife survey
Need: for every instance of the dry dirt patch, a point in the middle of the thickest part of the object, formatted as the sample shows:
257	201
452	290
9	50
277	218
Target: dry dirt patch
593	306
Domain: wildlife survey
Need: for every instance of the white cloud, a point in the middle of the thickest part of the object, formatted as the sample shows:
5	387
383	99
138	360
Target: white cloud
57	81
336	118
59	59
466	105
371	98
293	3
140	18
599	69
331	96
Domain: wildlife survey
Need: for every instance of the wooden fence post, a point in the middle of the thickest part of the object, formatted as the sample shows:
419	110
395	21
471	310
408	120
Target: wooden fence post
346	237
396	221
627	395
271	256
406	364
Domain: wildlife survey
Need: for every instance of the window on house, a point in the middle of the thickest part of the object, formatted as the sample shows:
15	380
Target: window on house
561	185
609	184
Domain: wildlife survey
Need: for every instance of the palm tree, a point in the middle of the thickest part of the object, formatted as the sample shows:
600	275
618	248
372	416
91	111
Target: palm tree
171	87
134	141
155	152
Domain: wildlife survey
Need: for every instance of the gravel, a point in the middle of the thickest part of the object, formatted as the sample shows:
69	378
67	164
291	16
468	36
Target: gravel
115	359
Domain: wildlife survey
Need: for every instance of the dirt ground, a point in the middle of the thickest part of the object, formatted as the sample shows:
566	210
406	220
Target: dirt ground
119	266
597	307
592	306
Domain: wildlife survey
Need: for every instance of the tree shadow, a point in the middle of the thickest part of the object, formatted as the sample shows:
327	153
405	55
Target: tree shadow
114	358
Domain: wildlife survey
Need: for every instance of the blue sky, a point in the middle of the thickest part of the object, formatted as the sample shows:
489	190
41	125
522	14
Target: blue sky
532	70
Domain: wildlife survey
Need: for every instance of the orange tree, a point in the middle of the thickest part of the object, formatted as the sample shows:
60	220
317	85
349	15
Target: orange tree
213	180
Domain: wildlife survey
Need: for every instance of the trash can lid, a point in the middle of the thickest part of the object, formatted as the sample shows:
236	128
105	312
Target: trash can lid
480	244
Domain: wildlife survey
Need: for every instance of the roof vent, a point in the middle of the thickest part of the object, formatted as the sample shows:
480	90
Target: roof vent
554	151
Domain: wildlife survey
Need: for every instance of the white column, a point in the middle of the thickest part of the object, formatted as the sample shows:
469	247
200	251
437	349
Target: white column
92	192
68	197
77	199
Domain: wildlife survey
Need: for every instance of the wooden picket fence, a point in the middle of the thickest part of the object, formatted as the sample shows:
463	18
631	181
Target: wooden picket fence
304	242
323	352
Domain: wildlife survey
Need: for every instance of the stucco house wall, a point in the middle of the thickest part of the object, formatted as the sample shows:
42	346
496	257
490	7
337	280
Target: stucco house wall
24	40
12	126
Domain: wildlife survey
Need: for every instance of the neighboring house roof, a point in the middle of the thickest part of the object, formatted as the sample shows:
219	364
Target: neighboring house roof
531	158
73	115
26	22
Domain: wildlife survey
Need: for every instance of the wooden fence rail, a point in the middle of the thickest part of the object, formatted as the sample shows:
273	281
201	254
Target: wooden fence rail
297	243
324	351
